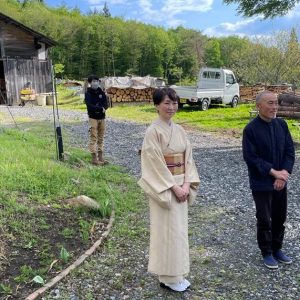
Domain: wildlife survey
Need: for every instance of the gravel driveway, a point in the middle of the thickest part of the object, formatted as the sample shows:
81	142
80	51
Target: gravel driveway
225	260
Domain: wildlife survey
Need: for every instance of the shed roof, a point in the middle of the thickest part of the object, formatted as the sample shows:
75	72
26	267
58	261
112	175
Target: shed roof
42	38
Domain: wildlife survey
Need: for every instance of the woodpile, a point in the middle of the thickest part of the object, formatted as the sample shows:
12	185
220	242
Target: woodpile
130	94
289	105
248	93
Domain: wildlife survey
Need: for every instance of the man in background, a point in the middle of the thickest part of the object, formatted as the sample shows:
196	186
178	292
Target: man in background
269	153
97	104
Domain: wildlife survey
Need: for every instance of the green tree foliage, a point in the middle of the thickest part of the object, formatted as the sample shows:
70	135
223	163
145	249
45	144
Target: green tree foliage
270	60
292	63
213	54
267	8
188	55
230	48
106	11
59	69
25	2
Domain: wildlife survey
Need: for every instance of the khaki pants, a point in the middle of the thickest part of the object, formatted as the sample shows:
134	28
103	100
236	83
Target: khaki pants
96	135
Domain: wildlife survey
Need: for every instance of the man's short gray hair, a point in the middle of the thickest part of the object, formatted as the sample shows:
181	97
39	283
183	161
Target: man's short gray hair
261	95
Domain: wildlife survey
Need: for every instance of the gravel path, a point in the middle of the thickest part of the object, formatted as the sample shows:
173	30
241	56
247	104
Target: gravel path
225	260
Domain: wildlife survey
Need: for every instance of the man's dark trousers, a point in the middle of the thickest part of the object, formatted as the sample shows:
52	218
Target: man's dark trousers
271	211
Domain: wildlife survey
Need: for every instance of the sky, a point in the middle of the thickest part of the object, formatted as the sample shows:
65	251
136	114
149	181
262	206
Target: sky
211	17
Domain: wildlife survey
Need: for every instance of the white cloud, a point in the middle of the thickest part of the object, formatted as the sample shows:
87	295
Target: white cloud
175	7
166	12
232	27
227	28
146	7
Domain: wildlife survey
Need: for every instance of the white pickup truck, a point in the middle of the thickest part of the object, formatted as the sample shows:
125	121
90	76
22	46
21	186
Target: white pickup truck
214	86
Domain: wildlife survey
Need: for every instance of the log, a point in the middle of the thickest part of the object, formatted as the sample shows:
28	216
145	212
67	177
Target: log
289	108
294	115
289	104
289	98
248	93
130	94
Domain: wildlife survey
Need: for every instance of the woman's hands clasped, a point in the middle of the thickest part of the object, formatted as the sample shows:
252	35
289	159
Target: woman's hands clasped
181	192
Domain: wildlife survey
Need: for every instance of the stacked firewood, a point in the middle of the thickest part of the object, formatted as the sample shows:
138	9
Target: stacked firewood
130	94
289	105
248	93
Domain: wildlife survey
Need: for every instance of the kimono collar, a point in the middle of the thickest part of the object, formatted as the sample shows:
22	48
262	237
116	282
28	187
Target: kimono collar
163	124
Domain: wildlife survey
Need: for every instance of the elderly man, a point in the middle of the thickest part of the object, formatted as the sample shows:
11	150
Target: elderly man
269	153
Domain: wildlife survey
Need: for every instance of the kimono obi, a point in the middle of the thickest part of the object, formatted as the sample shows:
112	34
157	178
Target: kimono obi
175	163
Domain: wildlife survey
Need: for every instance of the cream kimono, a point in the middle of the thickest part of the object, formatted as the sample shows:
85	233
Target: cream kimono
169	248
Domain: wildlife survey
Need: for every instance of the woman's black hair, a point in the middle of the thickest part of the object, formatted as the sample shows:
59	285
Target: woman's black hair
160	94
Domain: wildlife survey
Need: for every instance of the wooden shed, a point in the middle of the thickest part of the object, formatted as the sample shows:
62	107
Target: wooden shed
23	60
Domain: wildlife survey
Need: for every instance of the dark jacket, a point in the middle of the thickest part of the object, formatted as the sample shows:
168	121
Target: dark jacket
262	152
95	101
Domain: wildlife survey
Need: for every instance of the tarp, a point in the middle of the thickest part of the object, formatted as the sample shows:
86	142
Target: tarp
131	82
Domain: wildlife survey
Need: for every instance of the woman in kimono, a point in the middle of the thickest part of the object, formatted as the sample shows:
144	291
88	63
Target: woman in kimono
170	180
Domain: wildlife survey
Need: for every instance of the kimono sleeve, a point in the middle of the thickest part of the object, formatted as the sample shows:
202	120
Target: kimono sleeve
156	178
191	173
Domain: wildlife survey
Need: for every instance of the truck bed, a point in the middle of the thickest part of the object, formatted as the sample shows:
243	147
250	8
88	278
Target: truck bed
191	92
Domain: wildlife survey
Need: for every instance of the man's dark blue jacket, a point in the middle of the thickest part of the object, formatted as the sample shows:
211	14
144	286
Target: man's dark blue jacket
262	152
95	101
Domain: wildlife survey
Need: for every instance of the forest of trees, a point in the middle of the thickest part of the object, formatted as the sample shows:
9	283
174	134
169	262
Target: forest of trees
111	46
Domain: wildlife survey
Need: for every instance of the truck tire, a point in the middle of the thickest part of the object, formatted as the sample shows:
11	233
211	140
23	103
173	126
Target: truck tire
204	105
234	102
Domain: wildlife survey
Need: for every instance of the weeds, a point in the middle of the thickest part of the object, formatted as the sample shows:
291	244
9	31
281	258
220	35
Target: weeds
5	289
64	255
84	229
26	274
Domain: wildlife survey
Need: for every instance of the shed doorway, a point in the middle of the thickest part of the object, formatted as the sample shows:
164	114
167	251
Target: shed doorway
2	84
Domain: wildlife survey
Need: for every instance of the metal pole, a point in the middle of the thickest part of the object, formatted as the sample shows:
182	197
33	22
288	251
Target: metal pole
57	127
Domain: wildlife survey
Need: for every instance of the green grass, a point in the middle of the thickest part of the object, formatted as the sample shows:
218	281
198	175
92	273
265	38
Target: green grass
218	119
214	119
67	99
33	186
28	167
